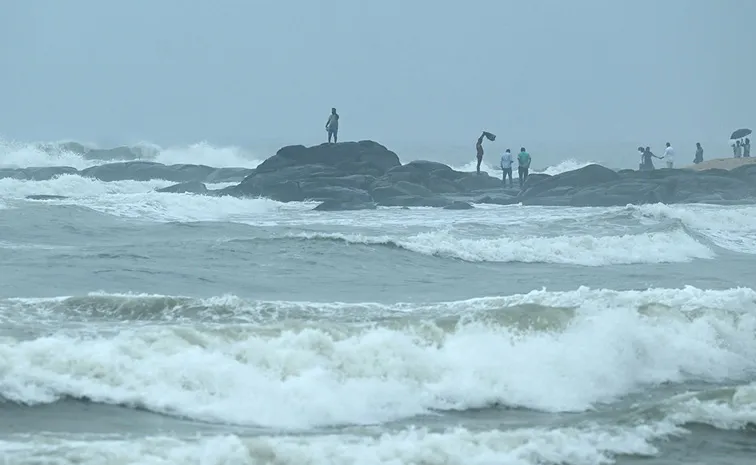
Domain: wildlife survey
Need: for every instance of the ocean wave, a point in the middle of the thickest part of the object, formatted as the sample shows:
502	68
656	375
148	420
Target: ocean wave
537	306
80	155
724	409
732	228
305	376
495	170
587	250
588	444
139	200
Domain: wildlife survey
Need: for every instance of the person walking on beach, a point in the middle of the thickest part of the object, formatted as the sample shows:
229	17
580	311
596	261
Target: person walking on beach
699	154
747	148
523	165
332	126
506	167
738	149
669	156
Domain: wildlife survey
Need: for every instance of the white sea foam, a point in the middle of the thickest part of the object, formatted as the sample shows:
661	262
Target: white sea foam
493	168
589	444
22	155
77	187
566	165
732	228
138	199
588	250
687	299
616	343
735	411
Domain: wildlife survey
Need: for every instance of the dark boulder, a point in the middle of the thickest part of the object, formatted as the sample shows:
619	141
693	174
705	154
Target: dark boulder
590	175
364	157
39	173
335	205
45	197
192	187
457	205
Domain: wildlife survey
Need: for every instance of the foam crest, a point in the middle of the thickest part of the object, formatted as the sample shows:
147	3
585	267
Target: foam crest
732	228
734	410
565	166
138	199
587	250
589	444
99	306
167	207
472	166
205	154
305	377
21	155
76	186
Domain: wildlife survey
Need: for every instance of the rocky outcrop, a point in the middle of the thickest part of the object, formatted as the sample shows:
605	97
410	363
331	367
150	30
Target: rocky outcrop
359	174
133	171
192	187
596	186
363	175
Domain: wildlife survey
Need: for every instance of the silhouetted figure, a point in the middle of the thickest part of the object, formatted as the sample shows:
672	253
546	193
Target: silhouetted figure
479	147
523	165
332	126
506	167
479	151
747	147
699	154
738	150
648	163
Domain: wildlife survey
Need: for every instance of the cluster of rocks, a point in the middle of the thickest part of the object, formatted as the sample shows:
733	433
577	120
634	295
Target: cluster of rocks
133	171
365	174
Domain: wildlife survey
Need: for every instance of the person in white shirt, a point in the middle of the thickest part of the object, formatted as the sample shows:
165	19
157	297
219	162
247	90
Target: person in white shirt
506	167
669	156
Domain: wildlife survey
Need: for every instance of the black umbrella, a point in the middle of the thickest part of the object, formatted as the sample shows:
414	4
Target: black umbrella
492	137
740	133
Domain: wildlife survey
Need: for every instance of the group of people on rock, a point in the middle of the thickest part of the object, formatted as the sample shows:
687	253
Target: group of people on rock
647	156
742	148
507	160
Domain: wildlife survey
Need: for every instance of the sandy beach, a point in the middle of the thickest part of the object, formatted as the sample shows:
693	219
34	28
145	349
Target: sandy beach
721	163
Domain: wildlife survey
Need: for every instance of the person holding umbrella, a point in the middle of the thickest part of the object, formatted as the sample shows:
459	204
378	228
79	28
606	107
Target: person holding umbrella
479	147
739	147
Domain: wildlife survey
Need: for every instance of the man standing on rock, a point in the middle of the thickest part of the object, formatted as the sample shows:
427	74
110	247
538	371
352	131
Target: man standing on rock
332	126
479	151
506	167
669	156
523	165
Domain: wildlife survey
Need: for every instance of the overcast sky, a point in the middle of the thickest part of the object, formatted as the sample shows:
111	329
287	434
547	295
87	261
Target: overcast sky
246	72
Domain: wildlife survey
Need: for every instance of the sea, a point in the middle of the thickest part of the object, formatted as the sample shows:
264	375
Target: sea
151	328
